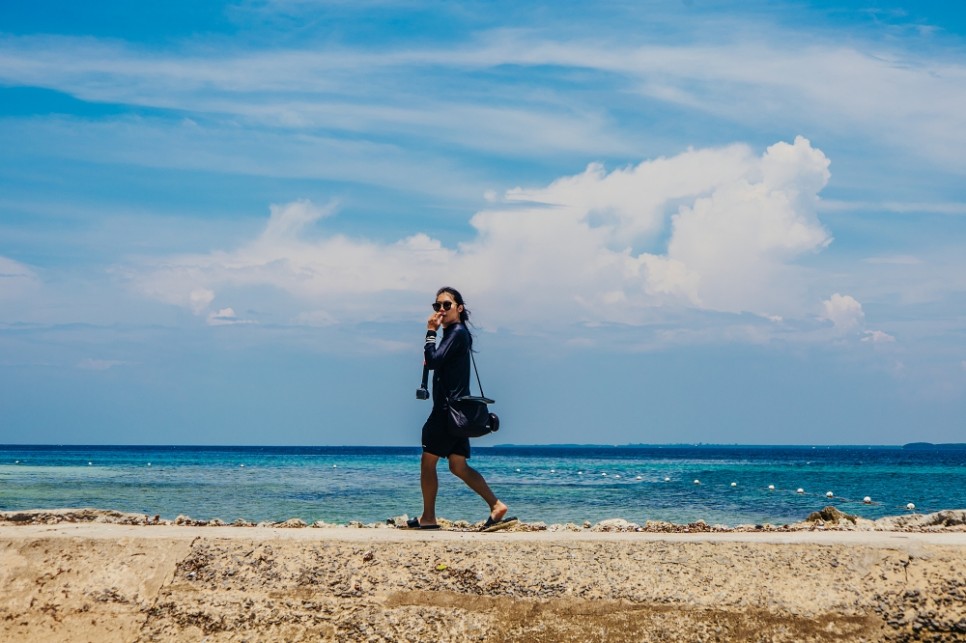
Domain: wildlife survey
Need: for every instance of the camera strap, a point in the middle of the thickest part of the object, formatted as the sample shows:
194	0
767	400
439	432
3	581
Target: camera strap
425	382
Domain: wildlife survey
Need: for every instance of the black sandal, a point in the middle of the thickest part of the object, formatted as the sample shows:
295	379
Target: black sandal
494	525
413	523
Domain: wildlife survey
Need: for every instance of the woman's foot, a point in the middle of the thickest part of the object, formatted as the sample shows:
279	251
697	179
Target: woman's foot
416	523
497	511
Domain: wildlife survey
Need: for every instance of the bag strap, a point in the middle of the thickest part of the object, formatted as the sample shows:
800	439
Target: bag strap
478	383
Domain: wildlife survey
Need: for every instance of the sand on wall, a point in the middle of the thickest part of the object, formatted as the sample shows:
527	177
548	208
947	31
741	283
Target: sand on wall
104	581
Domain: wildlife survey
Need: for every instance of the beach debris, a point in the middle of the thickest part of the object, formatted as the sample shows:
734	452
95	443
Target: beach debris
948	519
830	514
700	526
616	524
368	556
829	518
19	517
292	523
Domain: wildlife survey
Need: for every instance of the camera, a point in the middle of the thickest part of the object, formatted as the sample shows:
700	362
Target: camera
422	393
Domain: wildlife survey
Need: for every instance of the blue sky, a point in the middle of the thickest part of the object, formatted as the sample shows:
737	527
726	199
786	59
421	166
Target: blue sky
223	222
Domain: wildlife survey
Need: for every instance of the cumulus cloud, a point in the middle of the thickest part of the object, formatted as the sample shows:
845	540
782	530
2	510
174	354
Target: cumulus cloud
878	337
847	316
844	311
739	240
714	229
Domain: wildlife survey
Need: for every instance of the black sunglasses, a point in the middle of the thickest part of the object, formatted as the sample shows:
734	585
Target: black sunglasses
445	305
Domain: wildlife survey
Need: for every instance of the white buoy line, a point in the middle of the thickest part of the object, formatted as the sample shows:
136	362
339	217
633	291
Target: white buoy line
696	482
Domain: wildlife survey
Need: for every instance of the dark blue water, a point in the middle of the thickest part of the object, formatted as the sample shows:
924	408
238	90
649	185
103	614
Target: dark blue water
548	484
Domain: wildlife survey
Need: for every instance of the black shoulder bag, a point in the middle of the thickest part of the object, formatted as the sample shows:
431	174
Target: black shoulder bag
468	416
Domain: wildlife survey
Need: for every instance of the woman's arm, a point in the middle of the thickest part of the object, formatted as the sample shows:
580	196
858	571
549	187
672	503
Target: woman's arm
453	343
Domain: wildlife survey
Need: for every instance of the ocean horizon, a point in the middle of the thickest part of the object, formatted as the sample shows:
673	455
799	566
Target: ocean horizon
727	484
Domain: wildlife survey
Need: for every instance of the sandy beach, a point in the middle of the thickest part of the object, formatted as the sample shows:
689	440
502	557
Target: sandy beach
75	576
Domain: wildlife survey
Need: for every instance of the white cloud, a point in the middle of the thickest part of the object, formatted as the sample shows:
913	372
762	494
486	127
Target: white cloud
844	311
288	221
16	279
199	300
740	222
737	243
716	229
878	337
897	93
225	317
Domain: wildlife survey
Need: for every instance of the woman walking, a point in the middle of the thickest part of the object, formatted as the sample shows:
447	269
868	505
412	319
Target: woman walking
450	363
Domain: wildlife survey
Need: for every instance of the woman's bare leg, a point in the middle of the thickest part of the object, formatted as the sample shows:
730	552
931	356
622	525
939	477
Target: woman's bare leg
429	483
475	481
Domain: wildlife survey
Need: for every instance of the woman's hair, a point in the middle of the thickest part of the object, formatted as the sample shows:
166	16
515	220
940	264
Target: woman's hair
458	298
464	314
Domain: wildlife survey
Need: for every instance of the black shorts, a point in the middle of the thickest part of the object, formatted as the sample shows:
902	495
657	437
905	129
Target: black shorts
438	441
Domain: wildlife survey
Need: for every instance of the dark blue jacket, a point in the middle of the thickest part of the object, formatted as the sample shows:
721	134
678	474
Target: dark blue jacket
450	362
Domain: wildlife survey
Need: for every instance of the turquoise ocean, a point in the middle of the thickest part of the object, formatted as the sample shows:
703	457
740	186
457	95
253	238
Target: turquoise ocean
727	485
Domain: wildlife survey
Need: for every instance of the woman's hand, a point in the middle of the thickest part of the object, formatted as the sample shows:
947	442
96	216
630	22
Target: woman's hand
434	321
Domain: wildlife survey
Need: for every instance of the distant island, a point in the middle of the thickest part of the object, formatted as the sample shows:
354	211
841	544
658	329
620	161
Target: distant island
930	445
709	445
